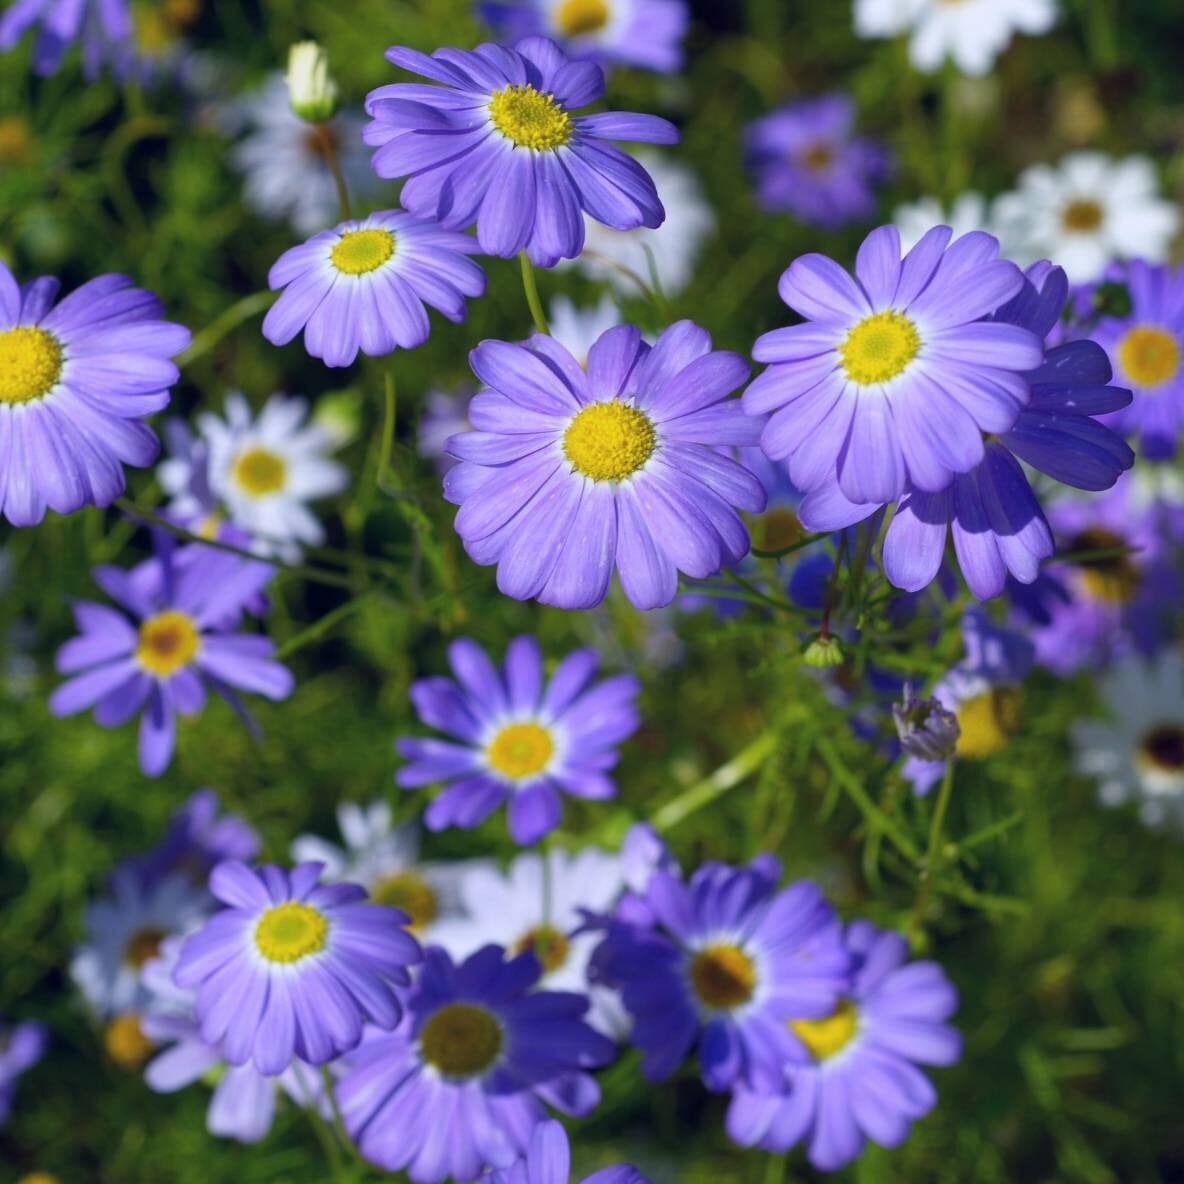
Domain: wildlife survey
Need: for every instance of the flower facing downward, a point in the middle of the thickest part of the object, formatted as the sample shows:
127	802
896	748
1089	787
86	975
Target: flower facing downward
293	968
363	286
516	738
927	730
499	144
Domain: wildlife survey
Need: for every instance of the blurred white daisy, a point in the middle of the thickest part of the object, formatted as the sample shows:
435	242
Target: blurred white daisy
971	32
385	861
969	211
1086	212
674	247
522	909
1137	753
577	329
282	161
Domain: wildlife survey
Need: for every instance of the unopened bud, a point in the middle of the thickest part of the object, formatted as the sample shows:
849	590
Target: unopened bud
824	653
311	89
927	730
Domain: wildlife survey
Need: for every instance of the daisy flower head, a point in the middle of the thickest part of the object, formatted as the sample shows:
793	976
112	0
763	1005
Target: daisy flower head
998	527
895	376
572	472
1088	211
264	469
542	909
644	33
76	378
854	1074
968	212
1147	351
478	1053
172	639
363	286
21	1047
808	162
291	967
102	27
973	33
723	963
1136	752
516	737
668	253
498	144
548	1161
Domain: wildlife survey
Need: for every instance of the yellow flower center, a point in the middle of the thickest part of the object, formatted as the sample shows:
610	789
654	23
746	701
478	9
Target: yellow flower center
520	750
880	347
291	931
259	471
461	1040
1112	579
411	894
1149	356
988	722
1082	216
125	1042
830	1035
38	1178
777	530
16	143
723	975
574	18
142	945
30	364
167	642
530	118
609	441
548	945
818	157
359	252
1163	748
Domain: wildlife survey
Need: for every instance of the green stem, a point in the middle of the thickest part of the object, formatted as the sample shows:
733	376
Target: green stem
390	403
933	850
338	1121
318	629
329	1144
225	323
328	149
531	288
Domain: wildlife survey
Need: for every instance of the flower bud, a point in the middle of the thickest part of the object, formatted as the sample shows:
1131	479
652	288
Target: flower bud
823	653
311	89
927	730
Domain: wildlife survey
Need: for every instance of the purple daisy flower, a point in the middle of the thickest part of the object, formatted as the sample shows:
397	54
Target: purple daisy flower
517	738
179	643
571	472
292	967
1147	350
895	376
726	962
645	33
996	521
497	144
363	286
460	1084
104	27
75	380
548	1161
853	1074
807	161
21	1047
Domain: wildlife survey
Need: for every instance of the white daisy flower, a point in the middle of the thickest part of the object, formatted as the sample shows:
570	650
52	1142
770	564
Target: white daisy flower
522	909
970	211
1086	212
1137	754
577	329
971	32
123	931
263	470
674	246
385	861
282	161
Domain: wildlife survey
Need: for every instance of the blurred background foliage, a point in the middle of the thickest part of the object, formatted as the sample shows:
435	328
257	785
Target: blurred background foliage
1060	922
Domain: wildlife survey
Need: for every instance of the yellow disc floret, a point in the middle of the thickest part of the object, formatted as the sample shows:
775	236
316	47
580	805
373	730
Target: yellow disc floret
575	18
547	944
167	642
1081	216
411	894
520	750
825	1037
1149	356
359	252
880	347
530	118
609	441
291	931
259	471
461	1040
1112	579
723	975
125	1042
142	945
30	364
987	722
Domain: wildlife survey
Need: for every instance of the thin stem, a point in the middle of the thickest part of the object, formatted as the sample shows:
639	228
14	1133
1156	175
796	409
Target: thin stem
329	1144
531	288
226	322
318	629
328	149
390	401
338	1121
933	850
